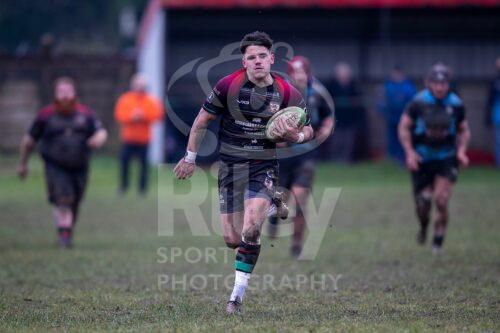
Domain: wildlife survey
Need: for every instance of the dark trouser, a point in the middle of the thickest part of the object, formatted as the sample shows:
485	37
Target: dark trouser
129	151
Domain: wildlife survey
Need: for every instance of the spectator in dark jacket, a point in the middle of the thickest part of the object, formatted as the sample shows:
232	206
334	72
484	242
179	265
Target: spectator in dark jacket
349	111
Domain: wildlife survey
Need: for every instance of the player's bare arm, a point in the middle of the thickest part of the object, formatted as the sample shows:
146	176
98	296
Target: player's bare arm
185	167
404	131
326	129
25	150
463	139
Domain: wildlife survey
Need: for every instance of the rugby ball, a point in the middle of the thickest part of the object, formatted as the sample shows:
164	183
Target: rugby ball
294	117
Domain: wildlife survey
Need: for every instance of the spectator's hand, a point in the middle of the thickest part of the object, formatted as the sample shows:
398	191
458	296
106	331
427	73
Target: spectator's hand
412	160
183	169
137	115
22	171
463	159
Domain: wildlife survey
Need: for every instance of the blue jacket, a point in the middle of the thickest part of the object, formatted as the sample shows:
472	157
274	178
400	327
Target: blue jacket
397	95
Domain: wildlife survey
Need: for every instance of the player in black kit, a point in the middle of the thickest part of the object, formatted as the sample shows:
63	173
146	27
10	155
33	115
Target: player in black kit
246	100
296	172
67	132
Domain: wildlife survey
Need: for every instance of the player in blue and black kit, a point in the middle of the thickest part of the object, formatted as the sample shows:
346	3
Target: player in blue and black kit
434	133
246	100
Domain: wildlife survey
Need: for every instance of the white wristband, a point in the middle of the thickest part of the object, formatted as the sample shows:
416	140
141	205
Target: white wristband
301	137
190	157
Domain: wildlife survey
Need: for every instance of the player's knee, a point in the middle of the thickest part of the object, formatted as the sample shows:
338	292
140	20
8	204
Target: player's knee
252	234
232	245
442	202
423	203
254	216
62	208
442	198
232	242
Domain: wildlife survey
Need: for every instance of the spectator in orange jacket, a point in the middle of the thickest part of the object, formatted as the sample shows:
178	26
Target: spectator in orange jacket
135	112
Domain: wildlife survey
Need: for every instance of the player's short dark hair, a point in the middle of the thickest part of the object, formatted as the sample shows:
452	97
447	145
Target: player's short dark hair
439	72
256	38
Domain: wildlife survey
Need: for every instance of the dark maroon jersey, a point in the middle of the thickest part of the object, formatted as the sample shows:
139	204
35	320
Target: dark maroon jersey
63	136
245	110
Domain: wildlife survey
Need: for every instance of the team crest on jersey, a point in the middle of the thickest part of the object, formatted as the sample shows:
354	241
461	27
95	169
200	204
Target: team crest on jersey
449	110
273	107
222	198
210	97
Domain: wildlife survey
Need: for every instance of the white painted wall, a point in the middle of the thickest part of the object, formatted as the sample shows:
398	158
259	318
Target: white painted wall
151	62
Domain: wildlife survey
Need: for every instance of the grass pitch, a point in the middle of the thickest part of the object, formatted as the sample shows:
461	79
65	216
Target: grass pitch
122	276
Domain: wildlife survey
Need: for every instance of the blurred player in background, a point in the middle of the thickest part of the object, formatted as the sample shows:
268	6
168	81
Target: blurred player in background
246	100
135	112
434	133
67	132
296	173
493	110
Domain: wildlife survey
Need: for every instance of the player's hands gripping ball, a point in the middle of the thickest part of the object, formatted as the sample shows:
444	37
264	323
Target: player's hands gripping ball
286	124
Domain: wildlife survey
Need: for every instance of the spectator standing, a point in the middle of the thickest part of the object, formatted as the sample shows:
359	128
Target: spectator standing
398	91
135	112
349	112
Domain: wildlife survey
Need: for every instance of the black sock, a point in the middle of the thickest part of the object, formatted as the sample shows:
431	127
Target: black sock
424	224
65	232
438	240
